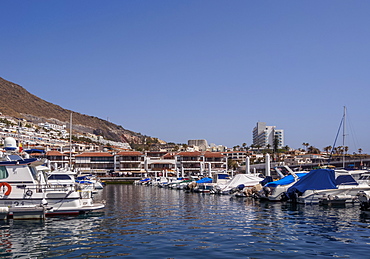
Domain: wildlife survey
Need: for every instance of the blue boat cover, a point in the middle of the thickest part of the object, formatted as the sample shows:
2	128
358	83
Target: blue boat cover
18	162
205	180
286	180
29	151
145	180
319	179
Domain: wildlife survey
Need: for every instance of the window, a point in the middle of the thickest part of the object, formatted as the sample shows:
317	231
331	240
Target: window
3	172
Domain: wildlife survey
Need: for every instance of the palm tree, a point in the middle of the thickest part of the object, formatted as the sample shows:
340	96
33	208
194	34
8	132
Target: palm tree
185	146
346	149
276	143
232	164
327	149
339	150
252	146
286	148
305	145
246	148
313	150
237	147
258	147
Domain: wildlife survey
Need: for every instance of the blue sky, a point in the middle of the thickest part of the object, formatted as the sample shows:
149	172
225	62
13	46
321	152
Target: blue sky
180	70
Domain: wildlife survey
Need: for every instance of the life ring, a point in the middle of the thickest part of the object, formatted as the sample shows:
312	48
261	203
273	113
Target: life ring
8	186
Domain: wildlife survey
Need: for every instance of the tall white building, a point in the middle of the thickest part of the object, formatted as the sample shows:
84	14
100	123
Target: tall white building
265	135
201	144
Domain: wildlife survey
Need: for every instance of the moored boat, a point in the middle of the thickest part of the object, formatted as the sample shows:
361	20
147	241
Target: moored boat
238	182
364	199
323	185
275	191
90	179
22	185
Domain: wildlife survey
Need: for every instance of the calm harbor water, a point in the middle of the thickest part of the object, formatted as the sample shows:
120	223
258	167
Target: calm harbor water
141	221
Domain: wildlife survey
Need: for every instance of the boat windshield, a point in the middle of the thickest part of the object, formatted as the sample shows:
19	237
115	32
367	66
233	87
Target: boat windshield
33	172
364	177
59	177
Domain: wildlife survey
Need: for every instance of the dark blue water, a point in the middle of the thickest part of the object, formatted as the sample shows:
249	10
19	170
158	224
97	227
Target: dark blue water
153	222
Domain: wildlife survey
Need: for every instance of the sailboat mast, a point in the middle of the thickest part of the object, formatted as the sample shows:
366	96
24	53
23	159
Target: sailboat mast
344	134
70	143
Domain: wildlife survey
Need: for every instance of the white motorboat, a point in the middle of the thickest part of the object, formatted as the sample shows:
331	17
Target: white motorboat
89	179
326	186
160	181
211	185
275	191
364	199
22	186
238	182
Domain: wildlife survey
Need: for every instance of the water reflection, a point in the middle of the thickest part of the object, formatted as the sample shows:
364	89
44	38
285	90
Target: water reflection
141	221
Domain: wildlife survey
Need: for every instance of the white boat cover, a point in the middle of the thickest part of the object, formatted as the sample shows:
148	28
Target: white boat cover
248	180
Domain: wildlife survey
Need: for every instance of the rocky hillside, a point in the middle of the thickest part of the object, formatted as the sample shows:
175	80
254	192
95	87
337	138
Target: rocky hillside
17	102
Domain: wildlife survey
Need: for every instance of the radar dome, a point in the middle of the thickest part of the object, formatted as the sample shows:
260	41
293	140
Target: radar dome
10	143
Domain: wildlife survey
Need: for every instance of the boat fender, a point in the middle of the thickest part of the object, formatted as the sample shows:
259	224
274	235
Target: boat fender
267	191
29	192
8	186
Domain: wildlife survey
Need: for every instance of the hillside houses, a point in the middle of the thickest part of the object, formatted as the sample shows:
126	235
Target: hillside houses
51	136
104	157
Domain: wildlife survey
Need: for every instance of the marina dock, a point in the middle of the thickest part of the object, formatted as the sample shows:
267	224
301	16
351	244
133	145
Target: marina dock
119	180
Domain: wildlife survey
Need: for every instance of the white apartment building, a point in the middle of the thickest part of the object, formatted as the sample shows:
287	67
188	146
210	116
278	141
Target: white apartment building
264	136
50	126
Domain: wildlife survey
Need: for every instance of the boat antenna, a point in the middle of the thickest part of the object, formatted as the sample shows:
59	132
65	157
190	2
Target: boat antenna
335	141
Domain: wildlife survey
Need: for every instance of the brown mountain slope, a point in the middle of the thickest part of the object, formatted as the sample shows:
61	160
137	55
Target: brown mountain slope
17	102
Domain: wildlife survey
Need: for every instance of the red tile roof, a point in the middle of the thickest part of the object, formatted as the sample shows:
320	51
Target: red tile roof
130	153
169	156
54	153
232	152
94	154
213	154
196	153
